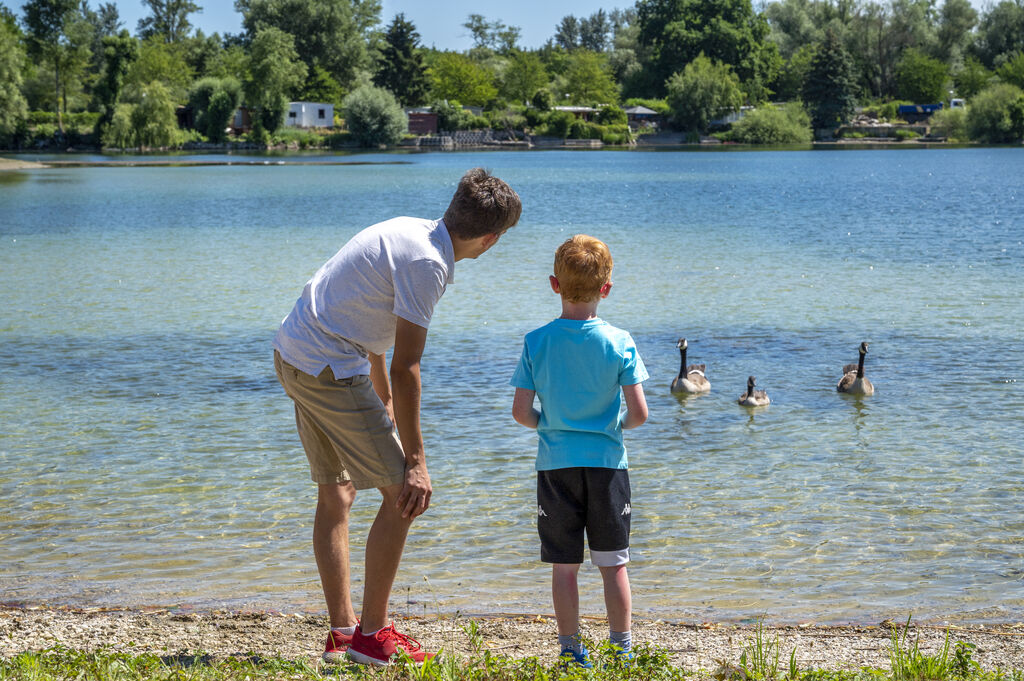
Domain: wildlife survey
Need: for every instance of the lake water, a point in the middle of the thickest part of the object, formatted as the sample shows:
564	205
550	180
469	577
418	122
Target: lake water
148	456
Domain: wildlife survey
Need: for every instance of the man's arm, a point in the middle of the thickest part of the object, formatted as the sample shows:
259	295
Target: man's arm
522	408
636	406
410	340
381	385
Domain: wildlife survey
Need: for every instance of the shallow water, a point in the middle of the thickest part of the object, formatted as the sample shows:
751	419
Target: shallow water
148	456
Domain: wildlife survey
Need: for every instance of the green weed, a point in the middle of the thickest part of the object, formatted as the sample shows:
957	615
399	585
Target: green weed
909	663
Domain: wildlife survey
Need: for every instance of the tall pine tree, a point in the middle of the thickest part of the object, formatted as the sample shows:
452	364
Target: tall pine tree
829	92
401	69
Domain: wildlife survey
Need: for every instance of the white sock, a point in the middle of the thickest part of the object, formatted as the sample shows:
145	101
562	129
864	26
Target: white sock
348	631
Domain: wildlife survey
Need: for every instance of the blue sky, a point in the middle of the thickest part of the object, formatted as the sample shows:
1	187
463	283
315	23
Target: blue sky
439	23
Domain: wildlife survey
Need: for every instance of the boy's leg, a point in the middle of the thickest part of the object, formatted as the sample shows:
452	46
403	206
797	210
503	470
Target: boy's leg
608	523
617	598
561	514
384	546
330	546
565	596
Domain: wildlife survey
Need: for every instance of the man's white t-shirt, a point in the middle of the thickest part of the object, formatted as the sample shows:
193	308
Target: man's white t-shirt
397	268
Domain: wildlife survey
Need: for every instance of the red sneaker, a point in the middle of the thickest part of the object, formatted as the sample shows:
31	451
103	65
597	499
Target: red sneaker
382	646
337	644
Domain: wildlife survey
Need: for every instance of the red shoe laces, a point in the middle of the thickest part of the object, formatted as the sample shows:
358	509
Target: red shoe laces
389	632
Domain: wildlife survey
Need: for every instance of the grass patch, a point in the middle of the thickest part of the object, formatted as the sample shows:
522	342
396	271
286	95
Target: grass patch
761	659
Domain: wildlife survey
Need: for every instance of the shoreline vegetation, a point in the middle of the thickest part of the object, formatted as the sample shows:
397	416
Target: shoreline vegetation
273	644
338	73
7	163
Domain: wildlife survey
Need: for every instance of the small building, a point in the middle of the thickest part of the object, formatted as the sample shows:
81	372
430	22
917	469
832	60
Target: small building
422	121
585	113
642	117
241	122
310	115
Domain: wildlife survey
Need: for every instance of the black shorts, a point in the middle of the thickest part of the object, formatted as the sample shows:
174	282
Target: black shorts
571	500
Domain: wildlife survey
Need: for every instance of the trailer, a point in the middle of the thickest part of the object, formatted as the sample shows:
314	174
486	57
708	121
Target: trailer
915	113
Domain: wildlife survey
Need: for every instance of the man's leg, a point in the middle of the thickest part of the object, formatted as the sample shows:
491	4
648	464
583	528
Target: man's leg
330	545
384	547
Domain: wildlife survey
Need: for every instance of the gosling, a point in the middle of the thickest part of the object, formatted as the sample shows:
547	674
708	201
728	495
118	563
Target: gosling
754	398
691	379
853	381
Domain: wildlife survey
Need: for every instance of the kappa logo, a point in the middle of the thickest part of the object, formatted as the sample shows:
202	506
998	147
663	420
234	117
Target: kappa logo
540	511
626	510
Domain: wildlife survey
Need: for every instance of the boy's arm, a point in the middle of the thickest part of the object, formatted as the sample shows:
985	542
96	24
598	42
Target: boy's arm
636	406
522	408
381	385
410	340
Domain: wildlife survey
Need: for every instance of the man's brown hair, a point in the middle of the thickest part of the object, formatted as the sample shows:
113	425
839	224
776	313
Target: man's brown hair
482	205
583	265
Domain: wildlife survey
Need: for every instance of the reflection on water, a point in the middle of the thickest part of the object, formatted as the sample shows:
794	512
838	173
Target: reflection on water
148	455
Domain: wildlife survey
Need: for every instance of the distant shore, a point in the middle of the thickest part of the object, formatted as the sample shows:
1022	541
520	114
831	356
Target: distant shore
694	646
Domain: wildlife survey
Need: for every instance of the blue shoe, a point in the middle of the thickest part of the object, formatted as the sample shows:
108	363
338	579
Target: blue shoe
569	657
622	657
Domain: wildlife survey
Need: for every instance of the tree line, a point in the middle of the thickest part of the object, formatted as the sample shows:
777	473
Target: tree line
66	65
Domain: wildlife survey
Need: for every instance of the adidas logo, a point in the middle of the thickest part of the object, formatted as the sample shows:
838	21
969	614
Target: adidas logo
626	510
540	511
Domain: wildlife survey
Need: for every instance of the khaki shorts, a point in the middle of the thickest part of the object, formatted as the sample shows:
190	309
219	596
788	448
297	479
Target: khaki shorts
344	428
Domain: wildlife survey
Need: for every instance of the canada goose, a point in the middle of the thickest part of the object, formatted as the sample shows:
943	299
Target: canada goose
753	398
853	380
691	379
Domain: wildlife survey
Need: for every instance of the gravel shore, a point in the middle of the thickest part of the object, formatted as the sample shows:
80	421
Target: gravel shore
695	646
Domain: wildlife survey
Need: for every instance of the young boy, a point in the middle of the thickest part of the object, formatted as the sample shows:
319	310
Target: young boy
578	365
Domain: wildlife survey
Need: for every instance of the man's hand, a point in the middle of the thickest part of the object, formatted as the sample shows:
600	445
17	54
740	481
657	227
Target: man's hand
415	496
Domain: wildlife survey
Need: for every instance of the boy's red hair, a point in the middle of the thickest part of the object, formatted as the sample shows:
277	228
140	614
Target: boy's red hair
583	265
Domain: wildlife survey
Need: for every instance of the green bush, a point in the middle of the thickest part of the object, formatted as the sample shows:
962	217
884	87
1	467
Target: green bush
534	117
773	125
84	119
951	124
611	115
374	116
45	132
119	133
506	119
558	124
990	117
154	119
213	102
703	91
543	100
885	111
658	105
451	116
904	134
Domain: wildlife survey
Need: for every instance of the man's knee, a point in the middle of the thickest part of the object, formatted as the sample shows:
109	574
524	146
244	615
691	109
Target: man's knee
336	497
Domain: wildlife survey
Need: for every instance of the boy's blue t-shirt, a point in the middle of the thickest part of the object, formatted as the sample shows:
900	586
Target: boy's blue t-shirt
577	369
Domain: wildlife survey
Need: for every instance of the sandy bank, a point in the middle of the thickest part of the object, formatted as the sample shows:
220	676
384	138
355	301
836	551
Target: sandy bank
11	164
695	646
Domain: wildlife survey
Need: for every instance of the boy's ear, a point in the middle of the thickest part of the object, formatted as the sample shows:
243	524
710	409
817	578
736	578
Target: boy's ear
606	289
554	284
